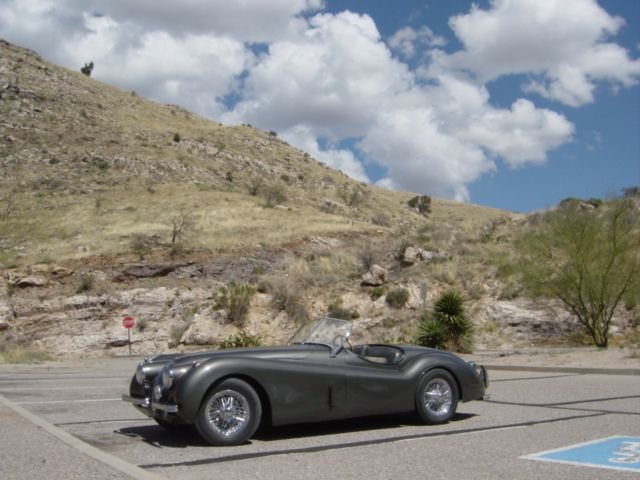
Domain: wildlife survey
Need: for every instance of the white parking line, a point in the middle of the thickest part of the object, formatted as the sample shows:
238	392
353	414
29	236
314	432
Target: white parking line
91	400
53	389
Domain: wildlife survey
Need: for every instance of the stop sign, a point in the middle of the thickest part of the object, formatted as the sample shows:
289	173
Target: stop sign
128	322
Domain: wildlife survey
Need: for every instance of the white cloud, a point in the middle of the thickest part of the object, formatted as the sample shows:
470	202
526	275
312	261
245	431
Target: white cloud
421	157
563	42
408	41
333	79
339	159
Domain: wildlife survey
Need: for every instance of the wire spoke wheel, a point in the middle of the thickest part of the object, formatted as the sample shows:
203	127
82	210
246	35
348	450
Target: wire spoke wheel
437	396
228	412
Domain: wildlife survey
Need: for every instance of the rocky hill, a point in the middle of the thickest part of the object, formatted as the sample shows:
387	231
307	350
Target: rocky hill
113	205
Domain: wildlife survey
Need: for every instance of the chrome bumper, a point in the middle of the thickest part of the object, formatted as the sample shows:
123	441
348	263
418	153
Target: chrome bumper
147	407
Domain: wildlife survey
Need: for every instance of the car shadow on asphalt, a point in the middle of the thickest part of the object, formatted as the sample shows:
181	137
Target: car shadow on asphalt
183	437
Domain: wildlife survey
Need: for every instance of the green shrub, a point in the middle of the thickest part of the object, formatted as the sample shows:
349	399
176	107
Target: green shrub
87	282
422	203
235	299
397	298
447	327
241	339
377	292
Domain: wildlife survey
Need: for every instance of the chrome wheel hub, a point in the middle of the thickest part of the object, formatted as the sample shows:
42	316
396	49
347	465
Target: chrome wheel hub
228	412
438	397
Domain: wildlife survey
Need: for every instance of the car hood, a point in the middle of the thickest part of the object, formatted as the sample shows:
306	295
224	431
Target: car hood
292	352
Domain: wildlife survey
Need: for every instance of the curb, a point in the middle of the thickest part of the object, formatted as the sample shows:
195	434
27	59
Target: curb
110	460
574	370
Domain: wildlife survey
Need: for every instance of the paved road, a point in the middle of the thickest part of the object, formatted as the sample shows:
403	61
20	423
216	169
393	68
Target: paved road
529	412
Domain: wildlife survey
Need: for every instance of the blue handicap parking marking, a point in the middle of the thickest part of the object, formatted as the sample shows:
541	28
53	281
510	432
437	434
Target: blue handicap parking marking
618	453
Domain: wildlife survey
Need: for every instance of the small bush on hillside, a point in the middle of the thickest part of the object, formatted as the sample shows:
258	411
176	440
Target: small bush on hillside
140	245
397	298
274	195
421	203
241	339
87	282
236	300
377	292
285	297
336	310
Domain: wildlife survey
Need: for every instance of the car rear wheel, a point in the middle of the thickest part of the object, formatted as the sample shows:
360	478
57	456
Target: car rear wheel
437	397
230	413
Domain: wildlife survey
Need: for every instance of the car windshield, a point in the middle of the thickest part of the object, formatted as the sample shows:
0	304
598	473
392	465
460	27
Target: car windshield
327	331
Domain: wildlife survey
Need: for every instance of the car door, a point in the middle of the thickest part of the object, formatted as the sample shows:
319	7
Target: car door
375	388
314	389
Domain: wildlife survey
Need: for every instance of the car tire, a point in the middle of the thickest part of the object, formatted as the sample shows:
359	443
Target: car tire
230	413
437	397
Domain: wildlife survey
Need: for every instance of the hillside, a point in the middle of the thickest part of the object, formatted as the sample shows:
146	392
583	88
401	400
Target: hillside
111	204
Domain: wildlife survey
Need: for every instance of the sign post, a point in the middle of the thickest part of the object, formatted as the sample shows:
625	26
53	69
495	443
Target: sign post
423	294
128	322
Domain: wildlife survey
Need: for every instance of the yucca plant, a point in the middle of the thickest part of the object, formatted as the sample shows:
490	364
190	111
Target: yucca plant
447	327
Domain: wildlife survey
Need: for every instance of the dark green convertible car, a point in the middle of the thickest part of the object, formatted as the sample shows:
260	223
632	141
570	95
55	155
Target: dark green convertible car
319	376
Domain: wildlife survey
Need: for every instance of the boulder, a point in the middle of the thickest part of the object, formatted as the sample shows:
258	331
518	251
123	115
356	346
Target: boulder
375	277
31	281
209	327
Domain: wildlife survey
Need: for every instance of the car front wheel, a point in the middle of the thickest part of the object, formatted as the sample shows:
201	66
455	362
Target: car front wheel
437	397
229	414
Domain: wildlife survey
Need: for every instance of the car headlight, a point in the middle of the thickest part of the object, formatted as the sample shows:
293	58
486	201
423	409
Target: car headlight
140	374
167	377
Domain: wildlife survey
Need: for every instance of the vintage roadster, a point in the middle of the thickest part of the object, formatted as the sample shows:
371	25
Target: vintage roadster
319	376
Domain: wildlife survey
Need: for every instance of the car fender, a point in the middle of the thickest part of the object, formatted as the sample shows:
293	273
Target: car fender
201	378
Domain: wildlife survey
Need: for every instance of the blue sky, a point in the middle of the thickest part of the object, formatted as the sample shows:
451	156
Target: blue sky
514	104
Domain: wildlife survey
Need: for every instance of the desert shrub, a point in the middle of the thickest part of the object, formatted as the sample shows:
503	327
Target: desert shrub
255	186
336	310
87	69
241	339
421	203
87	282
447	327
236	300
274	195
11	353
377	292
286	297
140	245
367	257
352	196
381	219
142	325
177	138
176	333
397	298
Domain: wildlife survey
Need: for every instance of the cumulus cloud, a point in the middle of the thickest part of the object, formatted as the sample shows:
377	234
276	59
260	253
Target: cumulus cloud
333	78
408	41
562	42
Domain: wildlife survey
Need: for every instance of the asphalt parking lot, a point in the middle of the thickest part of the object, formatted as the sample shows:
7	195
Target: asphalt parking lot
529	413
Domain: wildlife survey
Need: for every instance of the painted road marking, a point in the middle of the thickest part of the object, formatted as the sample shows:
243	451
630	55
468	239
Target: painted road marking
616	453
